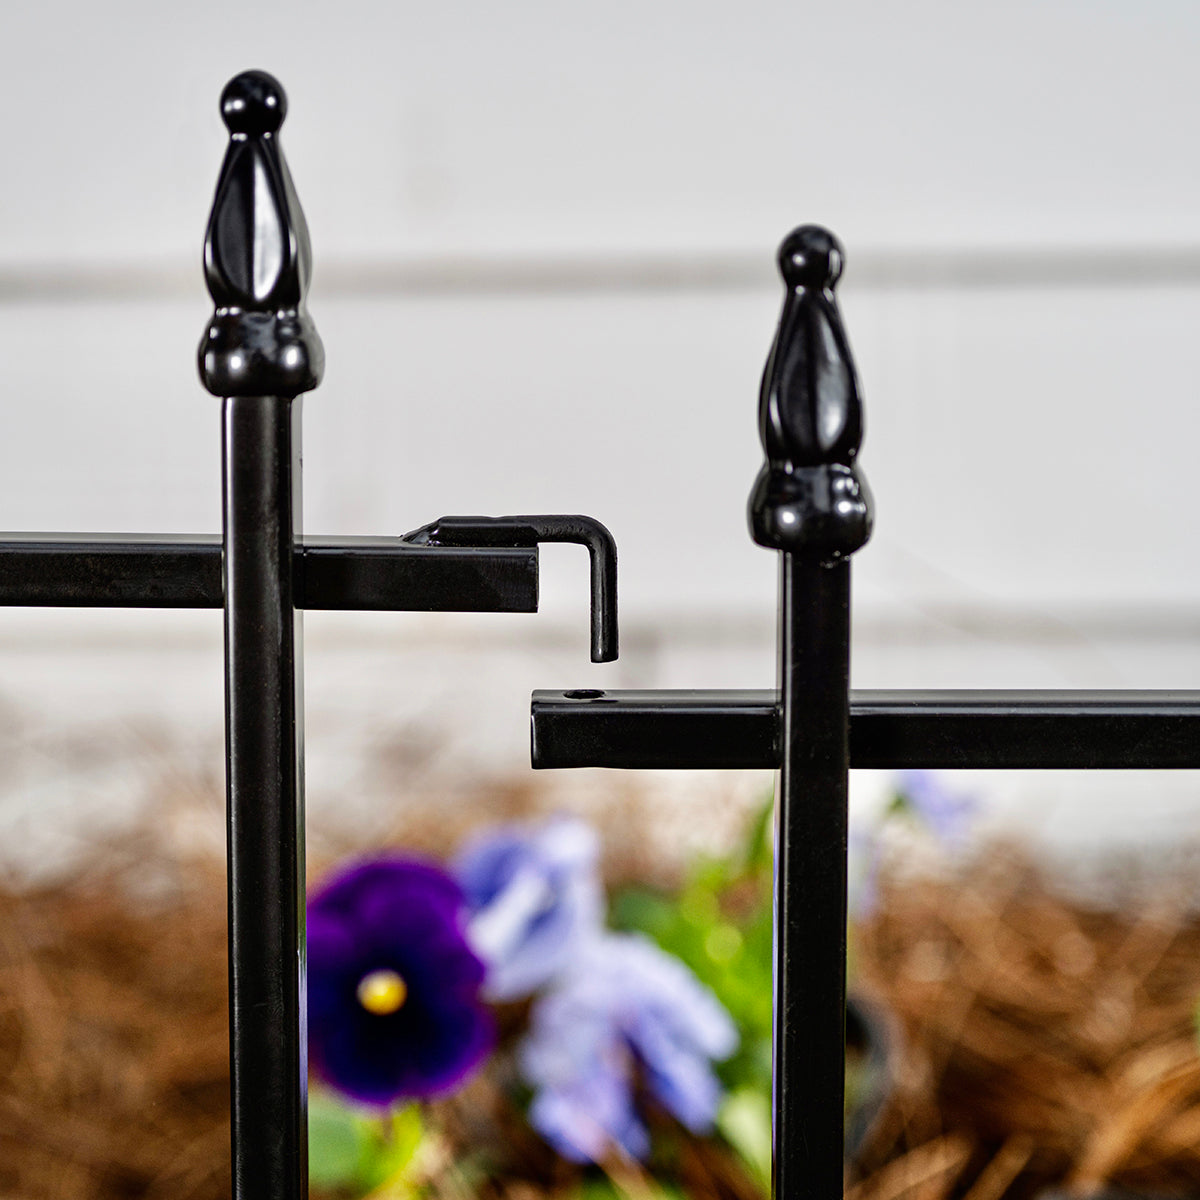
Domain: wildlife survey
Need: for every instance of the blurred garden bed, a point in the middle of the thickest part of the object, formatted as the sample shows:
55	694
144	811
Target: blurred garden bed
1040	1040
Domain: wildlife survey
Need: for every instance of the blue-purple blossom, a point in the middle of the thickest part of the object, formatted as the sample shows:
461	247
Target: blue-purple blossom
535	899
946	813
865	852
626	1014
393	987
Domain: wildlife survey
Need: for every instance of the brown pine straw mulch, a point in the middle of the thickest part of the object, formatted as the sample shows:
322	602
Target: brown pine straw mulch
1041	1042
114	1042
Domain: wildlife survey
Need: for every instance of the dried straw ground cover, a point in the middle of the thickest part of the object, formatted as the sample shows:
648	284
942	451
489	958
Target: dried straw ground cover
1041	1043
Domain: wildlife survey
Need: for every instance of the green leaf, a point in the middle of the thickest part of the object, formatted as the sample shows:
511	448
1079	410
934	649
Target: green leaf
352	1151
597	1189
338	1144
745	1122
605	1188
637	908
757	852
394	1146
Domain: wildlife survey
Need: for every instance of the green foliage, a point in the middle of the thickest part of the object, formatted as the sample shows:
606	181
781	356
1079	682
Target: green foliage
745	1123
352	1153
604	1188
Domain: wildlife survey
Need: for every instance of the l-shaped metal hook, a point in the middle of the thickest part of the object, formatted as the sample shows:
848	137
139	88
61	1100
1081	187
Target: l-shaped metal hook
529	531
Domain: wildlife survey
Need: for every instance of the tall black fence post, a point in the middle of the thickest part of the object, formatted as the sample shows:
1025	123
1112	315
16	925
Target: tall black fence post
810	503
259	353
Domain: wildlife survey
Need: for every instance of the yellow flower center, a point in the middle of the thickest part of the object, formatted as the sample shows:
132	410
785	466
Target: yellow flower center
382	992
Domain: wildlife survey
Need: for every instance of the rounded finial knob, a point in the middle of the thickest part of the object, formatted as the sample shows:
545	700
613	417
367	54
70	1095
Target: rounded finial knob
811	257
253	103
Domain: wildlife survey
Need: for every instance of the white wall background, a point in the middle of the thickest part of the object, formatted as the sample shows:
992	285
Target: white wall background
544	237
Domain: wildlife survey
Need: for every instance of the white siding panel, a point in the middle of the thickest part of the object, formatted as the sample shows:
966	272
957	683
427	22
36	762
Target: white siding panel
637	123
1025	447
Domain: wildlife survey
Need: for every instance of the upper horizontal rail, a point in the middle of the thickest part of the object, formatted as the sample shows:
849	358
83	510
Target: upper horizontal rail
151	571
888	729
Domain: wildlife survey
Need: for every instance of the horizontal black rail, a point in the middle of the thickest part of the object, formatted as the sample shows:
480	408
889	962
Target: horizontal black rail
888	729
378	574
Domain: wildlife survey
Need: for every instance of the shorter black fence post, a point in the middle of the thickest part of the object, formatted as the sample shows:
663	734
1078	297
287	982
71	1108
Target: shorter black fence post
810	503
260	352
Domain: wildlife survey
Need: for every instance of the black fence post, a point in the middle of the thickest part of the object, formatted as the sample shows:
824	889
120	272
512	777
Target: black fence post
810	503
259	353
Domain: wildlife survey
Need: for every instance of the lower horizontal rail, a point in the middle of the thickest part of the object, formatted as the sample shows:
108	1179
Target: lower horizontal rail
381	574
888	729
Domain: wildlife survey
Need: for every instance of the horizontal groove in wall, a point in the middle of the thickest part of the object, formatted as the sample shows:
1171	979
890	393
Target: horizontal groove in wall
35	630
632	272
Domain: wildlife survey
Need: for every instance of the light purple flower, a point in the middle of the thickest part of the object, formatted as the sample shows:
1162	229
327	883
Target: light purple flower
535	898
865	861
625	1012
947	814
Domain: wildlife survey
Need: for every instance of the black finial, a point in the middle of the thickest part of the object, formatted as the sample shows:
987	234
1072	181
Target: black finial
257	259
253	103
809	497
810	257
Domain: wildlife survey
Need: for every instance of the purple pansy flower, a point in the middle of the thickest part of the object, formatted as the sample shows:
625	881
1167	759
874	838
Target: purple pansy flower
393	988
535	898
626	1012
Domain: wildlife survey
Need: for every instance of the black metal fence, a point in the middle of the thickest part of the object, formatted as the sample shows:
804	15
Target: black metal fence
260	353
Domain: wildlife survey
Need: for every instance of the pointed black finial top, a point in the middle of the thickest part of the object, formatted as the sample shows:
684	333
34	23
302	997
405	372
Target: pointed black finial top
809	497
257	259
